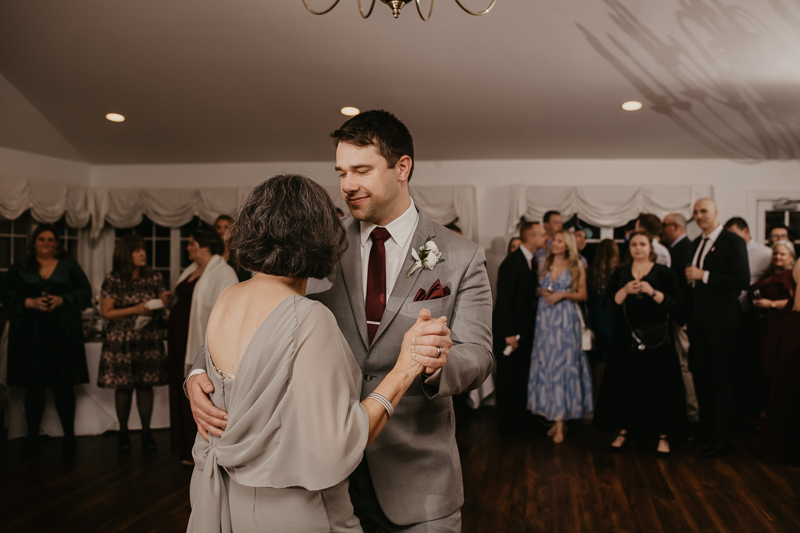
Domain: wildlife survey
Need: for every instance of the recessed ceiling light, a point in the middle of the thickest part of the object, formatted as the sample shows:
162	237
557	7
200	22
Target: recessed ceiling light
115	117
350	111
632	106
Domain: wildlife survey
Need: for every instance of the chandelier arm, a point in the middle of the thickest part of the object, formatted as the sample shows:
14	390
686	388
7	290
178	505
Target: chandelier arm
430	11
320	12
472	12
362	11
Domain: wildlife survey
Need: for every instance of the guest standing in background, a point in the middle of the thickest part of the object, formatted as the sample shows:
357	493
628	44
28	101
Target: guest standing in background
553	223
651	225
512	327
753	388
560	387
133	355
195	294
580	242
513	245
719	272
605	263
673	233
44	295
779	439
222	224
642	387
779	232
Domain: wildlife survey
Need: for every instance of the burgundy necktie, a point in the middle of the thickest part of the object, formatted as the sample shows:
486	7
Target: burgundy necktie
376	281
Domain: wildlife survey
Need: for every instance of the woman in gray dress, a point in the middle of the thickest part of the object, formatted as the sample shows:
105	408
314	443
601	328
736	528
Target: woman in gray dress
284	373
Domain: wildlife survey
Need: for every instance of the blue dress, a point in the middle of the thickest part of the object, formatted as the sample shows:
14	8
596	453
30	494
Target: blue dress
560	386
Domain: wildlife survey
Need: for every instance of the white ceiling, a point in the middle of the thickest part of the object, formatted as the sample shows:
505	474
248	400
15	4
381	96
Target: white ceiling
263	80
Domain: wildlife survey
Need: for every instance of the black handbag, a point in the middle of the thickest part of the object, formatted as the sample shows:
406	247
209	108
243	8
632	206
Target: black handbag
647	336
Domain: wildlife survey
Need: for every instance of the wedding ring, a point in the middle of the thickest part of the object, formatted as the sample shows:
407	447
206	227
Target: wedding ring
440	352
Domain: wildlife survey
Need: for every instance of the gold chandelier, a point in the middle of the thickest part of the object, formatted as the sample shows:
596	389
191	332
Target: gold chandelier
397	5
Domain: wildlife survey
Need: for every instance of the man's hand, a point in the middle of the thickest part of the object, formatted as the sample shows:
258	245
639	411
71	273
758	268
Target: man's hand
513	342
694	274
429	340
208	418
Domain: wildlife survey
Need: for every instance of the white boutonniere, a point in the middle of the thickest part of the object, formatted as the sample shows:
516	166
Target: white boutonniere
428	256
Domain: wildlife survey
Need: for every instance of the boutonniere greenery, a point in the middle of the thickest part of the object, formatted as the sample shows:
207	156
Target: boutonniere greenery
428	256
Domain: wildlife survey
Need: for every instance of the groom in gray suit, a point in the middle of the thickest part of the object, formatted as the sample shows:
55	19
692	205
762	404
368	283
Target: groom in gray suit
410	478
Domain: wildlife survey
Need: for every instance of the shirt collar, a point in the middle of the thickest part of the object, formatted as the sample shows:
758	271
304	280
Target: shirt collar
676	241
712	237
400	229
527	253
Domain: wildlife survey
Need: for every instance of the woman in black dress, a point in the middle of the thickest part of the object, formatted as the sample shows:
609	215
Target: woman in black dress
133	354
642	387
44	296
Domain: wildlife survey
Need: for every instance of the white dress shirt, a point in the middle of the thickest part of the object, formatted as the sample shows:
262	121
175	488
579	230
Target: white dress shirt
676	241
662	254
528	256
760	258
711	239
397	247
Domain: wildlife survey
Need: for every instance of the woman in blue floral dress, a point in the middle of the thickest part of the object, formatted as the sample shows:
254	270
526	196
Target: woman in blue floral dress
560	385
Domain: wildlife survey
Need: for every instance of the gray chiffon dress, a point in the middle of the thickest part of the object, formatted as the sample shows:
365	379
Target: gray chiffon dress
296	431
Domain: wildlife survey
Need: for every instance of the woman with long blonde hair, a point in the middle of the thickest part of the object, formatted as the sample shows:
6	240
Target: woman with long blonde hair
560	387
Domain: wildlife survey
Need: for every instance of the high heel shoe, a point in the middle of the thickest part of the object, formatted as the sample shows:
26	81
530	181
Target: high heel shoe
124	442
148	442
559	437
660	454
617	449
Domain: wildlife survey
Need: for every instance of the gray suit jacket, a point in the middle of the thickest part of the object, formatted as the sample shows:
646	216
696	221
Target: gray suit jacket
414	462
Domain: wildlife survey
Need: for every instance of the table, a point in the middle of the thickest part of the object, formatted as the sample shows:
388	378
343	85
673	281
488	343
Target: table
95	412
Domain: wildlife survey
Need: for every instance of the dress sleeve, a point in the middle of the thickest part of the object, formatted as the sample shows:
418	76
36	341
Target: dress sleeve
110	288
79	295
323	420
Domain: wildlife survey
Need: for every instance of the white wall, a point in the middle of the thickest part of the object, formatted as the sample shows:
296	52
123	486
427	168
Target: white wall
491	179
17	164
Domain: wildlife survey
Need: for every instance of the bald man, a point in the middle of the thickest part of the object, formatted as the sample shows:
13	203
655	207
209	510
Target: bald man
719	271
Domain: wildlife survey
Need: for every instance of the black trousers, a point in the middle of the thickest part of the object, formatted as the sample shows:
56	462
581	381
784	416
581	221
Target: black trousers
714	359
511	391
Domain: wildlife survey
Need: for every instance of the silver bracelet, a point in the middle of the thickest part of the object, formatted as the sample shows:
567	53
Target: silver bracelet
383	401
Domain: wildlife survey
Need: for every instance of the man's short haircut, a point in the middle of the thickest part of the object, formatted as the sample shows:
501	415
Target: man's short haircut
739	222
524	229
780	226
288	227
207	237
678	220
650	223
382	130
549	214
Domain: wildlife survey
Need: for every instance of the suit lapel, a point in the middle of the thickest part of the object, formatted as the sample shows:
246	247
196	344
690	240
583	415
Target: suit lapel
404	285
351	273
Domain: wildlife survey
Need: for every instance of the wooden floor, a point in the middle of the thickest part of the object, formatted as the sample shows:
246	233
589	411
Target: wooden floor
512	485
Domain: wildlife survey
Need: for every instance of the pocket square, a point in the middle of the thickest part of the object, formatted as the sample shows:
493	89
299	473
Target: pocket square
436	291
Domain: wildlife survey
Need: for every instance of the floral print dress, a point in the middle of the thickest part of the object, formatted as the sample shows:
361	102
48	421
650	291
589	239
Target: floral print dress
132	358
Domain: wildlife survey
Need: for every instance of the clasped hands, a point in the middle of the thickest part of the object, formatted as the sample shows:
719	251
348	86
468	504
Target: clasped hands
427	344
45	304
550	297
639	287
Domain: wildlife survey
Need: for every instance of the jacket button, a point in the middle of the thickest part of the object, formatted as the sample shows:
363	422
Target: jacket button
367	377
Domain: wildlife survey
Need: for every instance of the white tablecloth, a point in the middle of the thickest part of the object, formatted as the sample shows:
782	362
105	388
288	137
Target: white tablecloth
95	411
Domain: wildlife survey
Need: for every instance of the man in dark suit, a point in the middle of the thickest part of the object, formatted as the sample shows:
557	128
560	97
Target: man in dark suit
515	314
673	235
718	273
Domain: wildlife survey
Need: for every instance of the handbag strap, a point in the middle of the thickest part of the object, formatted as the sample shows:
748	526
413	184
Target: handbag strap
580	315
633	331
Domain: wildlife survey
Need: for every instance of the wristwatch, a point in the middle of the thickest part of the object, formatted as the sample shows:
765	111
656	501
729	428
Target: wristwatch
655	293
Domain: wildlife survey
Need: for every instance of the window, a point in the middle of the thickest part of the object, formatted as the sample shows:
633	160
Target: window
69	239
783	212
14	240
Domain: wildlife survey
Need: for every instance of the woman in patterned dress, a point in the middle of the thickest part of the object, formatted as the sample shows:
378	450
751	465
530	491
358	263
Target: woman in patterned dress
133	357
560	387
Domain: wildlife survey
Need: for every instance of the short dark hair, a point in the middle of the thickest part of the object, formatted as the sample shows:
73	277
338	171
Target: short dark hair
206	237
454	227
781	226
288	227
382	130
524	228
227	218
739	222
122	260
546	218
31	264
650	223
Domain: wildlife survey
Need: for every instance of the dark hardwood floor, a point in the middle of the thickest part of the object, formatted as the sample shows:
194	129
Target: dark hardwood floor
512	485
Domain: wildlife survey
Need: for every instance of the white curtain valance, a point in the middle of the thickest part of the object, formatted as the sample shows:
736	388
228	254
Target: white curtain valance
604	206
124	208
443	204
48	202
